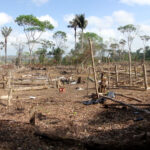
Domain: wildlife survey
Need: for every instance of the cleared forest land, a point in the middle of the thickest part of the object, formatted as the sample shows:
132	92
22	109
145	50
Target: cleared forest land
50	118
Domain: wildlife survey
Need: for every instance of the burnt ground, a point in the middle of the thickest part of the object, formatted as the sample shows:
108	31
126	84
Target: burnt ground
63	122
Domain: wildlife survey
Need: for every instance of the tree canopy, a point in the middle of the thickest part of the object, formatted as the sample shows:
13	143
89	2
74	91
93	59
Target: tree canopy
32	23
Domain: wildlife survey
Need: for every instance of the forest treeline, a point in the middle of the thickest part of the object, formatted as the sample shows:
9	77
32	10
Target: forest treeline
52	52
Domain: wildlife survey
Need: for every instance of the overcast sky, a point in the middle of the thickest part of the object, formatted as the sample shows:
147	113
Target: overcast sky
104	17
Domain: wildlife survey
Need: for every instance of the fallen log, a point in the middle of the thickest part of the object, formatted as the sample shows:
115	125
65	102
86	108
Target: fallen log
129	105
136	99
4	97
30	83
91	79
30	88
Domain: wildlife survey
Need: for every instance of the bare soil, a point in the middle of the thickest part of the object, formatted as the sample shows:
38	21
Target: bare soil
63	122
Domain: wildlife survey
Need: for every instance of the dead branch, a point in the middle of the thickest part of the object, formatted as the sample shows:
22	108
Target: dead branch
133	98
131	106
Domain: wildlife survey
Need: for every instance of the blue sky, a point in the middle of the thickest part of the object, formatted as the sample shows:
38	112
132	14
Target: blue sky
104	16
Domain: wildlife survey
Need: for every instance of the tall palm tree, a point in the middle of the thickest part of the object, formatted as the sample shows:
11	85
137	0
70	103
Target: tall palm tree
82	23
6	32
74	24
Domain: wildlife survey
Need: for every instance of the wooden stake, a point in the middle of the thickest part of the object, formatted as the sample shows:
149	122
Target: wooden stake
135	71
88	81
116	71
108	72
93	65
145	77
9	96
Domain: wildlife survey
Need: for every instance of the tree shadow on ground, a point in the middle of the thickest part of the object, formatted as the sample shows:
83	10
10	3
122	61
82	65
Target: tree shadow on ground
16	135
22	136
116	115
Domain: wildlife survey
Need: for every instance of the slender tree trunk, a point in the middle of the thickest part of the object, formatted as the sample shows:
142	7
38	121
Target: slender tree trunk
144	56
75	36
30	57
130	69
5	51
82	41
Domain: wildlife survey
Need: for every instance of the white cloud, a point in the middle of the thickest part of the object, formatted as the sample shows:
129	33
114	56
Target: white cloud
49	18
144	29
106	26
139	2
68	17
13	38
4	18
107	33
120	17
70	42
123	17
40	2
97	22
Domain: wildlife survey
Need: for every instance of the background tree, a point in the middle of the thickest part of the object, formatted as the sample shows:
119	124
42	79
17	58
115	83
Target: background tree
6	32
145	39
46	44
25	57
33	29
83	56
82	23
147	53
138	55
42	52
129	31
2	45
114	47
60	38
57	54
74	24
19	46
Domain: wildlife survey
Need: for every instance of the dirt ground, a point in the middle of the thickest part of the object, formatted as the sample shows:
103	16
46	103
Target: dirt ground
63	122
